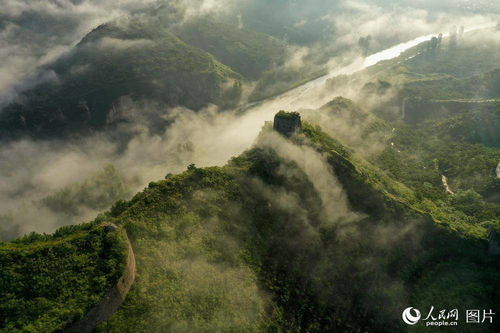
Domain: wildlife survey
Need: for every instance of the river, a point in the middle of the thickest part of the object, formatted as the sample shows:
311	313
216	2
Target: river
211	138
235	134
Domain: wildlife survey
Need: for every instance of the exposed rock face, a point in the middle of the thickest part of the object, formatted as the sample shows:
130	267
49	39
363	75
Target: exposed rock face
287	123
112	299
110	227
494	243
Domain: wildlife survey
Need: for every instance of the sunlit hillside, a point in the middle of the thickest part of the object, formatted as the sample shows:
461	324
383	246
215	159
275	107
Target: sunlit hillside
249	166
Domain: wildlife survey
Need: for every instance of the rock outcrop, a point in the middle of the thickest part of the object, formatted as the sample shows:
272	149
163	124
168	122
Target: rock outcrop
494	242
287	123
112	299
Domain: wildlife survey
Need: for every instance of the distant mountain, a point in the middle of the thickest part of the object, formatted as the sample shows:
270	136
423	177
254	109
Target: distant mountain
248	52
452	87
131	58
466	55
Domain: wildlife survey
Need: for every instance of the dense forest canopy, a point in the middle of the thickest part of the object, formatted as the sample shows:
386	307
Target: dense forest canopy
312	166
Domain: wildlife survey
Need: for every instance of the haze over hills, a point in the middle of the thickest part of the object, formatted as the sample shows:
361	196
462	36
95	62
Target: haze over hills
263	164
133	59
233	223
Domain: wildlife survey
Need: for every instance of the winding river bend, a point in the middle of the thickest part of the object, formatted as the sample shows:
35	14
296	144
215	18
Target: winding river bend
300	97
239	133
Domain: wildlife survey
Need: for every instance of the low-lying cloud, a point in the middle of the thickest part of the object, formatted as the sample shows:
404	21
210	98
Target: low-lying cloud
207	137
35	33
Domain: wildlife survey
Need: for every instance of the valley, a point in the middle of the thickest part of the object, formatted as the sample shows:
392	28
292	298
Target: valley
253	167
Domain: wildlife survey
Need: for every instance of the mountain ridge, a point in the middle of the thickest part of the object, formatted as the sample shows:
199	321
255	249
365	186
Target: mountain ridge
229	221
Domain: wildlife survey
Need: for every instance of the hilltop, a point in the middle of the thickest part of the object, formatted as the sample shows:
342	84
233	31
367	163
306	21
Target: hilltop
150	60
131	59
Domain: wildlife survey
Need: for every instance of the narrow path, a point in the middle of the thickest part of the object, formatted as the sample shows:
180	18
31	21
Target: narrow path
444	180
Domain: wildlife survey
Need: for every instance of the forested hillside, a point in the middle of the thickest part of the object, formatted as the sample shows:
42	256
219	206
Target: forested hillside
152	58
48	282
248	52
271	241
249	166
124	59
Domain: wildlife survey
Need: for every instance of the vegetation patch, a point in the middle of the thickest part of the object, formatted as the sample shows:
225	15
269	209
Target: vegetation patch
48	282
